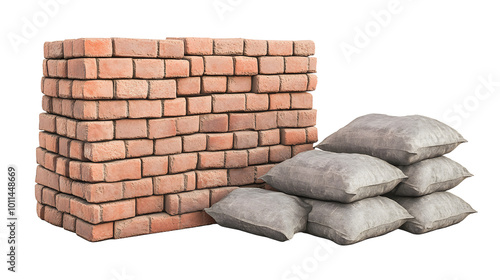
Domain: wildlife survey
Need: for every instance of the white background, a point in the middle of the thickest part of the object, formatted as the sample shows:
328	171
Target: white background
428	58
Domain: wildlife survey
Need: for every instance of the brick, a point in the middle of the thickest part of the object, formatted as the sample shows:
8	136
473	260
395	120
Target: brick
218	65
47	122
68	48
137	188
297	149
211	178
53	49
65	87
303	48
241	121
279	153
213	84
40	156
171	48
150	204
113	109
76	150
62	166
245	139
93	89
312	134
119	170
271	65
138	148
194	143
168	146
196	65
57	68
257	102
176	68
63	202
217	194
214	122
50	161
149	68
208	160
245	66
131	89
188	125
162	89
239	84
118	210
287	119
228	46
261	170
86	211
57	106
194	201
129	129
265	120
135	47
296	64
275	47
293	82
255	47
172	204
115	68
75	170
195	219
279	101
61	125
228	103
188	86
67	107
102	192
52	216
236	159
307	118
190	181
50	87
94	232
269	137
162	222
169	184
85	110
49	197
241	176
92	47
45	71
94	131
183	162
145	109
131	227
198	46
52	143
174	107
92	172
47	103
40	210
301	100
265	83
199	105
152	166
220	141
69	222
65	185
293	136
258	155
313	61
78	188
312	82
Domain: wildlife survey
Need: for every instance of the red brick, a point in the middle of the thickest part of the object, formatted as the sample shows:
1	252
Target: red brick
303	48
85	110
150	204
86	211
271	65
162	222
57	68
199	105
296	64
183	162
312	82
297	149
188	86
190	181
135	47
261	170
217	194
131	89
57	106
128	129
168	146
194	201
213	84
68	48
257	102
47	103
236	159
265	83
53	49
61	125
75	170
293	136
287	119
63	202
40	210
255	47
67	107
241	121
94	89
313	61
245	66
258	155
119	170
78	188
198	46
65	185
312	134
40	156
92	172
47	122
301	100
161	89
138	148
194	142
279	101
118	210
176	68
241	176
112	109
52	142
49	197
208	160
92	47
65	87
188	125
307	118
265	120
275	47
218	65
50	87
149	68
94	232
137	188
220	141
269	137
69	222
52	216
245	139
228	46
211	178
152	166
82	68
293	82
115	68
171	48
195	219
174	107
102	192
94	131
239	84
196	65
228	103
131	227
279	153
76	149
145	109
50	161
172	204
169	184
214	122
62	166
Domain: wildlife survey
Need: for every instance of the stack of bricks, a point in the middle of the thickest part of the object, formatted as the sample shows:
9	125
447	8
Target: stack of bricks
139	136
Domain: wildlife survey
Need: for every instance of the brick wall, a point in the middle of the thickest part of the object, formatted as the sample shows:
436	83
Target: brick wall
138	136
